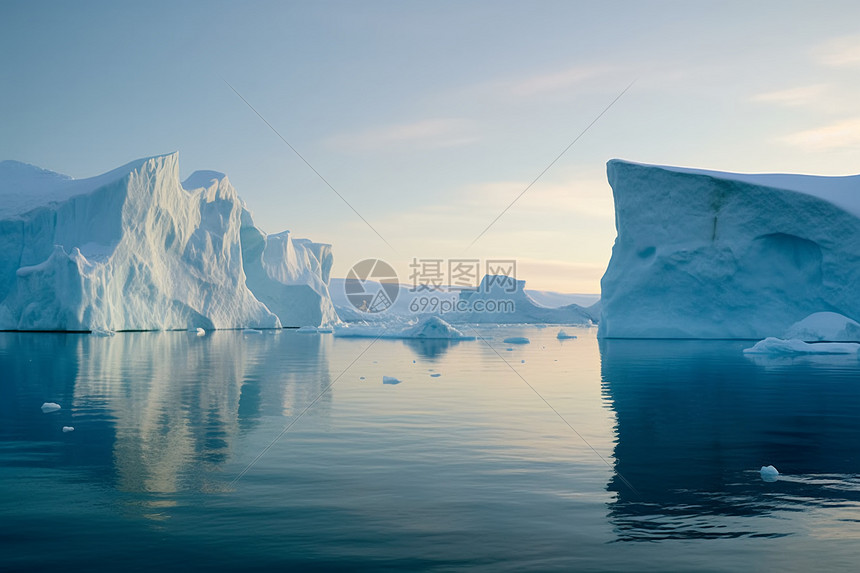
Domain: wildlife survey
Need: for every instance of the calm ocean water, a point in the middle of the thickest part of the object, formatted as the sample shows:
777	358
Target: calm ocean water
469	469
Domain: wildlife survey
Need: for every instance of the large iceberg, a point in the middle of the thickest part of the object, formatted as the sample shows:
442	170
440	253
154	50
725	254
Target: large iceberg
502	299
134	249
703	254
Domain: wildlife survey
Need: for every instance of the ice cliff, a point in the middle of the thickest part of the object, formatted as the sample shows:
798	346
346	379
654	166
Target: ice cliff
702	254
135	249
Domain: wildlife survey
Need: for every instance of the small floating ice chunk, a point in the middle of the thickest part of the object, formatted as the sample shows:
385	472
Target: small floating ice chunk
522	361
390	380
769	473
435	375
67	429
252	331
102	332
361	377
48	407
773	345
509	349
562	335
201	332
516	340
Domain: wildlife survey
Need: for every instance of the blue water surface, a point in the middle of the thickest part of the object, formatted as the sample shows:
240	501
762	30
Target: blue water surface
285	450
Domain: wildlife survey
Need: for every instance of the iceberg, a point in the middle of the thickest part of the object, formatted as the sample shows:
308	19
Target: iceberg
704	254
135	249
779	346
503	300
428	328
825	327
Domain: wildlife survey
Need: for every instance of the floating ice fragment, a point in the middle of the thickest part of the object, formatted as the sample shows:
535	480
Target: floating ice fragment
769	473
390	380
48	407
252	331
361	377
201	332
67	429
435	375
102	332
516	340
522	361
773	345
562	335
509	349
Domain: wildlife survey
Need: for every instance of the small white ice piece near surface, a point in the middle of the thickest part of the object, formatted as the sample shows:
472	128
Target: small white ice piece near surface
252	331
390	380
201	332
778	346
102	332
769	473
516	340
562	335
49	407
67	429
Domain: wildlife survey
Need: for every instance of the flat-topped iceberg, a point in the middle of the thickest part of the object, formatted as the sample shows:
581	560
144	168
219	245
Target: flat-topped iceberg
134	249
702	254
779	346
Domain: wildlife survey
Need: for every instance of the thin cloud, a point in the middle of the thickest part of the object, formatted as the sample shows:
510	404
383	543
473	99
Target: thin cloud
794	97
841	135
423	134
841	52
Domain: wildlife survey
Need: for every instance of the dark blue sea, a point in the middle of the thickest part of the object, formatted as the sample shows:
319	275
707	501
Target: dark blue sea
286	450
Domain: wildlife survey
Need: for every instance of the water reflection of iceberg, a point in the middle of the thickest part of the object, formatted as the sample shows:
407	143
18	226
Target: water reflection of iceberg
177	402
695	422
430	348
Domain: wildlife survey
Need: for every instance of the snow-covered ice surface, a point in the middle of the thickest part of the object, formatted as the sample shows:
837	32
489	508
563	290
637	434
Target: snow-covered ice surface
825	327
702	254
427	328
133	249
779	346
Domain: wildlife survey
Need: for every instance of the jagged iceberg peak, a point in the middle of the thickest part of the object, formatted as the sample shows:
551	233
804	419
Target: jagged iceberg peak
24	187
203	179
133	249
704	254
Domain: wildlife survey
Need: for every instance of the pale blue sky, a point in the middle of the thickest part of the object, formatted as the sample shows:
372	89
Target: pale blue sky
430	117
